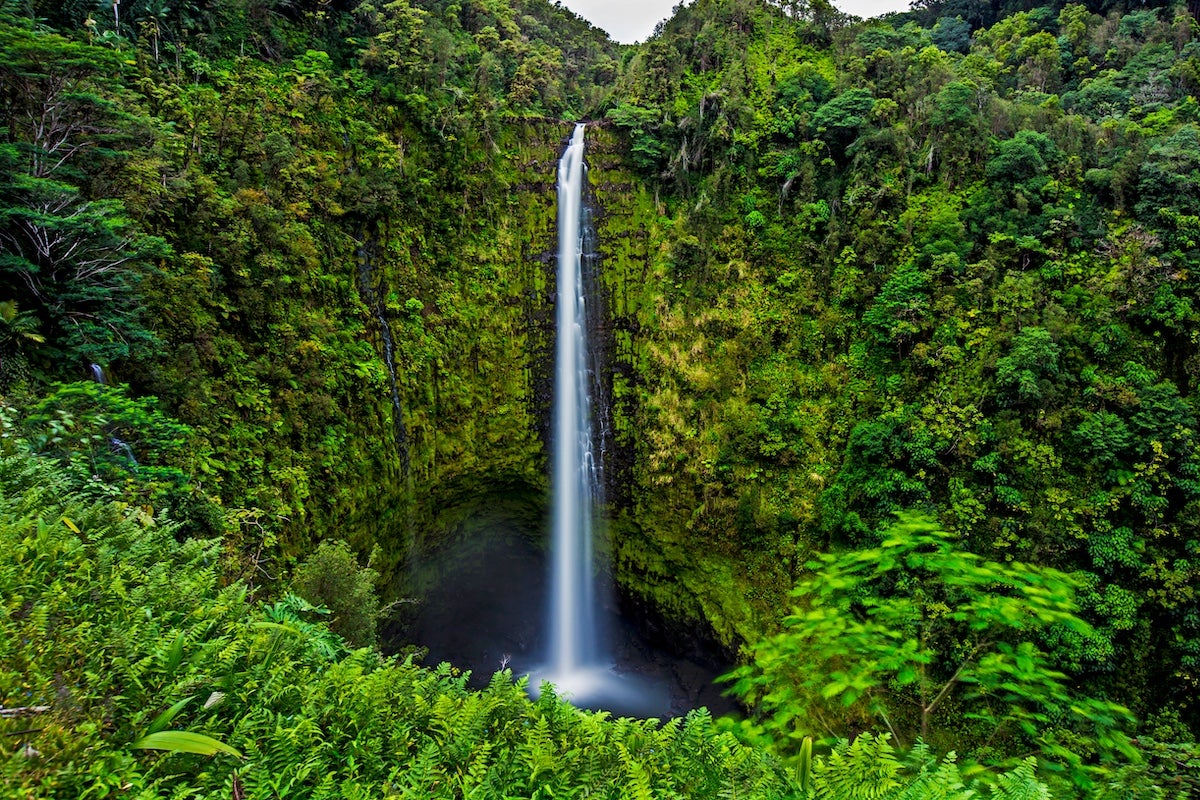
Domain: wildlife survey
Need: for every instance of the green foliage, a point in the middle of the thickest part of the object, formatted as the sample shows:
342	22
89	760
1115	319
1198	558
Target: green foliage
106	619
848	268
1027	372
73	260
18	333
896	317
841	118
184	742
644	149
101	434
871	768
1007	225
897	633
331	577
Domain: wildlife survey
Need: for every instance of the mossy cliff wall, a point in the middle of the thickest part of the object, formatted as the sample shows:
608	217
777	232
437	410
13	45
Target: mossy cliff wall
473	321
362	332
474	366
673	557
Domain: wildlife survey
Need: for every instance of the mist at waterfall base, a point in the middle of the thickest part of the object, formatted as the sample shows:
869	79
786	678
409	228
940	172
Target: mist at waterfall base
485	610
589	655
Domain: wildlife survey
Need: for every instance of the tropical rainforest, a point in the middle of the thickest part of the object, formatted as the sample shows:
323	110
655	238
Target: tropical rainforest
902	349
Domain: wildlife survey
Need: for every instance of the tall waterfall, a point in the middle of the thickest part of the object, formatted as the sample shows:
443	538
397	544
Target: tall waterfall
579	661
574	641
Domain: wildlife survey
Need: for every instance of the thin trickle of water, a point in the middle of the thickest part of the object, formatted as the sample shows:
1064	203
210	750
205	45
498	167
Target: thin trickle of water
123	447
97	373
366	290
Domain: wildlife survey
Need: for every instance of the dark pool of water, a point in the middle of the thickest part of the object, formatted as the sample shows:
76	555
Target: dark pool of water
485	610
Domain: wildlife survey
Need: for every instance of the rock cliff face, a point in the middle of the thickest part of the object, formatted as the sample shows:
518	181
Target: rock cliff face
477	414
671	569
474	324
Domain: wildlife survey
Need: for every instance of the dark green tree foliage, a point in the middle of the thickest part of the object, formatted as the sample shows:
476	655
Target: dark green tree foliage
73	261
99	429
1027	373
18	335
1169	188
841	120
952	34
331	577
898	313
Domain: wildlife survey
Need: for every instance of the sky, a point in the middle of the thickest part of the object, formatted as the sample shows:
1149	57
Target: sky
629	21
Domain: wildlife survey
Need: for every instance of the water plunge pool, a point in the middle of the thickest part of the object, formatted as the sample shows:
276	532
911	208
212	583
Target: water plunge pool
484	609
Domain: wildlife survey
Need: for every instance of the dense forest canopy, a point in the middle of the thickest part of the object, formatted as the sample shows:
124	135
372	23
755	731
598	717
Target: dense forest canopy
902	337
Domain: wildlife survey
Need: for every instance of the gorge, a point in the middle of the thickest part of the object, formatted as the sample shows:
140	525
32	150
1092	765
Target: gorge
899	407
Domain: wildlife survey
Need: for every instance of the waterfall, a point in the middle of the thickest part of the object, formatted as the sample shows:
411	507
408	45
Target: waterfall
579	661
117	445
573	630
370	298
120	446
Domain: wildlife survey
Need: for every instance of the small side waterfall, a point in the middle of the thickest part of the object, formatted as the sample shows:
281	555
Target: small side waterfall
115	444
121	446
573	631
370	298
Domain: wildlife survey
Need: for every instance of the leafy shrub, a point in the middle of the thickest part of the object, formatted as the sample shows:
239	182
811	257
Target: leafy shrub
331	577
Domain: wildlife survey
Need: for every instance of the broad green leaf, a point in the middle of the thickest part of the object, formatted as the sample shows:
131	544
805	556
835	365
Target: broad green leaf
164	719
184	742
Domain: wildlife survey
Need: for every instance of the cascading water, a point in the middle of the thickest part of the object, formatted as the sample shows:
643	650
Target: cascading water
366	290
117	445
573	637
478	614
579	661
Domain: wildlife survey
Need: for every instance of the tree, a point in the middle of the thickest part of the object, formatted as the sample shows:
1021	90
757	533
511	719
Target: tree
1026	374
332	577
103	437
78	263
898	633
900	311
73	261
396	43
1169	185
840	120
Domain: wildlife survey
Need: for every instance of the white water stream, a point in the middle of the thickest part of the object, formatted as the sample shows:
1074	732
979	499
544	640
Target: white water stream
574	640
580	663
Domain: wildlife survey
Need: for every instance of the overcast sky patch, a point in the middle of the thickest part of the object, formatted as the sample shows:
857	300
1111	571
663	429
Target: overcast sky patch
629	21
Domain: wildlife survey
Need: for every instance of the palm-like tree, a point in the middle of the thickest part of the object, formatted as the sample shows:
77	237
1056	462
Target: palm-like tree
17	329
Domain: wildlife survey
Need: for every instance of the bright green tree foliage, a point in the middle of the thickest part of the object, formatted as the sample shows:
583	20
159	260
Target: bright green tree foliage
331	577
919	635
